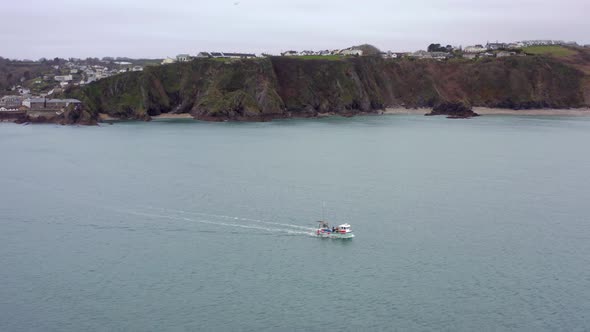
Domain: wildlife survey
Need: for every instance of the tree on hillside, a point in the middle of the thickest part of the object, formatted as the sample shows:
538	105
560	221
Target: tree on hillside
439	48
367	49
433	47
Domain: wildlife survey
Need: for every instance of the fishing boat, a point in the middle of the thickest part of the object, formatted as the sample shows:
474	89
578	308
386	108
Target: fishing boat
340	232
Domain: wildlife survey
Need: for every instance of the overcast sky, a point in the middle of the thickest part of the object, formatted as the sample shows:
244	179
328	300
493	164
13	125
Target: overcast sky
148	28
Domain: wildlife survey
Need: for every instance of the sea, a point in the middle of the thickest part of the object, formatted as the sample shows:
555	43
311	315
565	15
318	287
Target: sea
477	224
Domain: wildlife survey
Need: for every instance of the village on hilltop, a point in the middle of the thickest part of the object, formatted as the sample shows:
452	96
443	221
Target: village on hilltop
496	49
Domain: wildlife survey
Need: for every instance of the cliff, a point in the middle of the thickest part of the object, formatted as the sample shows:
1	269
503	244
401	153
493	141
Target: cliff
207	89
278	87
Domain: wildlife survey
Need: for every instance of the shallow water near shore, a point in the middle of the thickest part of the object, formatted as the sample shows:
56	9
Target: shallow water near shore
175	224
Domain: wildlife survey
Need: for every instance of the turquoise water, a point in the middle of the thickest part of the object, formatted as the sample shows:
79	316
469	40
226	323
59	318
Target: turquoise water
477	224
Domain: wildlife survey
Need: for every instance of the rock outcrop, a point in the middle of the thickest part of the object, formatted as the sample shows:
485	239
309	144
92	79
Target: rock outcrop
453	110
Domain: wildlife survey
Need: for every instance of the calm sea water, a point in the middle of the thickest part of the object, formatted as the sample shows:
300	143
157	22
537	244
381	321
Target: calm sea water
478	224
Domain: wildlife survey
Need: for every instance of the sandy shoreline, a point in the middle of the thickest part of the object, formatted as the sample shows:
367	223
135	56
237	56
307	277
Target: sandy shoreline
500	111
106	117
415	111
173	116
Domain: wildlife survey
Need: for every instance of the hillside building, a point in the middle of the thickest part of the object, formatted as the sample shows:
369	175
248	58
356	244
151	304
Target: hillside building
63	78
183	58
475	49
45	104
168	61
227	55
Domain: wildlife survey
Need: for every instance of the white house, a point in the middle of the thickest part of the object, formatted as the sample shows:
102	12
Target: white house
238	55
388	55
168	61
495	46
226	55
183	58
474	49
63	78
309	53
440	55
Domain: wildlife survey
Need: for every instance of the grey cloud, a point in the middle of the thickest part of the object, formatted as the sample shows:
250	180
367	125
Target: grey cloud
164	28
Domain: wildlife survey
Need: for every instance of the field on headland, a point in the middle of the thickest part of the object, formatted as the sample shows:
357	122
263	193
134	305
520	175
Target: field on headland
551	50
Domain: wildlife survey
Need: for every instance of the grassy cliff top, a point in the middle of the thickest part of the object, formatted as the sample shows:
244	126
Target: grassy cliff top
553	50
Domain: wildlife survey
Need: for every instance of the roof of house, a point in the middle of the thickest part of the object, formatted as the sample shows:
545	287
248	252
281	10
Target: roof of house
41	100
68	100
35	100
238	54
11	97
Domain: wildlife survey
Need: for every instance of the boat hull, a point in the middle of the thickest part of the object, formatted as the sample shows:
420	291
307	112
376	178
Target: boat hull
335	235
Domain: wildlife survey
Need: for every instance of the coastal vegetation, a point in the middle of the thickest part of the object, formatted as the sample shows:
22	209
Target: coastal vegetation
14	72
551	50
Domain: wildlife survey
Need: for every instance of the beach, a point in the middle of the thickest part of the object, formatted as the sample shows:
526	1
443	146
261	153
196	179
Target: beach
106	117
173	116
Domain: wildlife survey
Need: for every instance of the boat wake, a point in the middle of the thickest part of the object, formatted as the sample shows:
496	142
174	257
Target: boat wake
222	220
234	218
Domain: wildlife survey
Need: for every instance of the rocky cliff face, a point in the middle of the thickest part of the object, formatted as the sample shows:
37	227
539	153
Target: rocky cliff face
207	89
279	87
